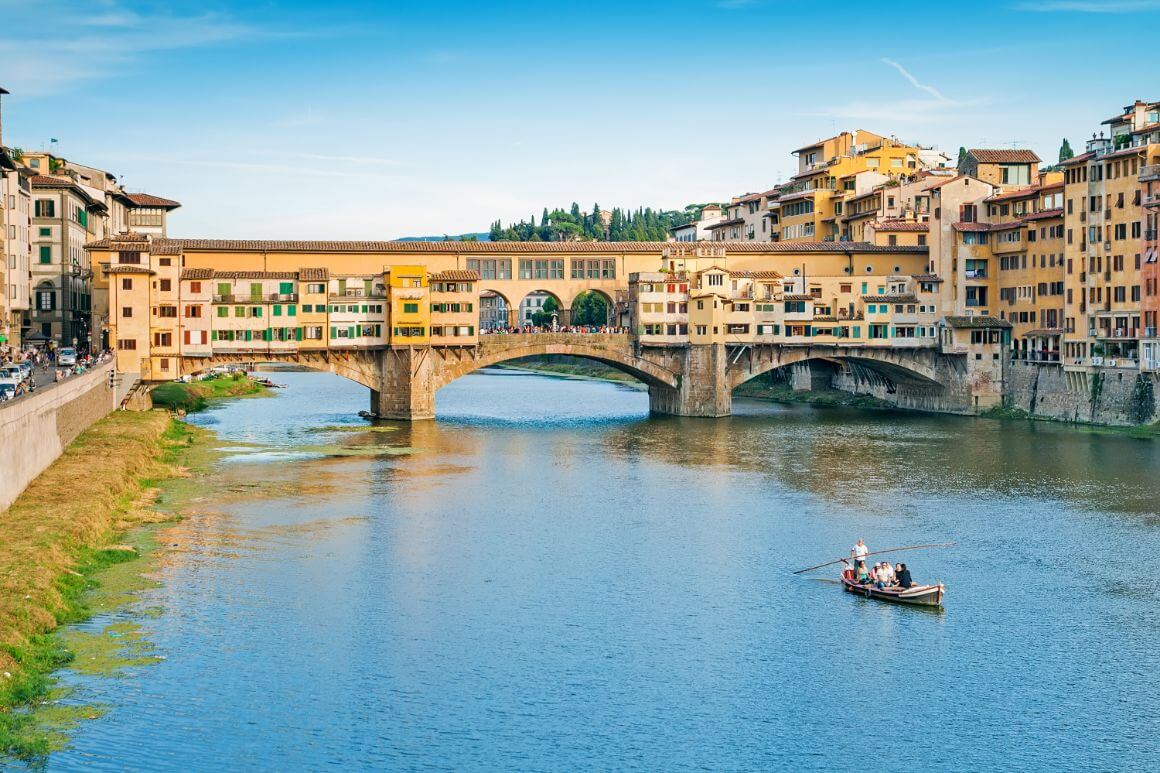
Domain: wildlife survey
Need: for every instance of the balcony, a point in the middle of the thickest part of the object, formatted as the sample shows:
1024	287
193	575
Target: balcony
1150	172
378	294
976	273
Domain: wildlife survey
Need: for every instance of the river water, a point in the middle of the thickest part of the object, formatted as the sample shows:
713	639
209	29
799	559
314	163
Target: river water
545	578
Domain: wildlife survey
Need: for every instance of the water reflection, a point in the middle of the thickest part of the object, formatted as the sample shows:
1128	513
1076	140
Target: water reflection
513	588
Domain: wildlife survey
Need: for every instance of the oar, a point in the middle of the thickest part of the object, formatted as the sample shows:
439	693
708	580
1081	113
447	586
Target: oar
877	553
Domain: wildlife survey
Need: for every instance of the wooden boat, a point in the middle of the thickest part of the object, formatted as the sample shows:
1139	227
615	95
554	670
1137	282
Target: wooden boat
919	595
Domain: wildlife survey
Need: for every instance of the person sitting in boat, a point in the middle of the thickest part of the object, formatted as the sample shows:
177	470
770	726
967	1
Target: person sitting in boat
863	577
904	579
886	574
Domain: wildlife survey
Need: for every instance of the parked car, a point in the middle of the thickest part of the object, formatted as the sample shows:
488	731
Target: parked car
7	392
67	356
10	375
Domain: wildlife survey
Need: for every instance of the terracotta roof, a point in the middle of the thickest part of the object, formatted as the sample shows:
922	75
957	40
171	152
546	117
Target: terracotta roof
859	215
1021	193
1004	156
313	274
164	247
149	200
928	278
941	183
456	275
970	323
1043	332
799	297
1006	226
1046	214
807	193
197	273
44	181
971	227
129	269
904	298
900	225
722	224
579	248
757	274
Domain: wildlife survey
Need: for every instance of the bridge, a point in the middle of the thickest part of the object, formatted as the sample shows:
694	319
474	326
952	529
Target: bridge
684	380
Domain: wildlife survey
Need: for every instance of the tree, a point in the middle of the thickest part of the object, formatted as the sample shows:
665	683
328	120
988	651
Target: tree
962	158
543	316
1065	151
590	308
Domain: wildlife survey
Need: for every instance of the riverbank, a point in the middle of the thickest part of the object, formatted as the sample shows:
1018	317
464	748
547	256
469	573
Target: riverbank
572	367
62	530
195	395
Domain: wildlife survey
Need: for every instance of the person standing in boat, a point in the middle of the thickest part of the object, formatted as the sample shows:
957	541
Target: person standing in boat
858	554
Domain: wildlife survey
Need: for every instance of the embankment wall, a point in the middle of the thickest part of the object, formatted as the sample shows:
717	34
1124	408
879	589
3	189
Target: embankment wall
35	430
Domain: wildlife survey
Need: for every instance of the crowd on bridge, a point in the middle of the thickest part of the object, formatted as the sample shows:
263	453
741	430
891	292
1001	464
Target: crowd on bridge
543	329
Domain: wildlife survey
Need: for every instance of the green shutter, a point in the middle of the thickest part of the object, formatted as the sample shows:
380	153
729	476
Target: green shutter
286	288
292	310
350	331
267	335
249	335
223	288
277	311
333	332
298	334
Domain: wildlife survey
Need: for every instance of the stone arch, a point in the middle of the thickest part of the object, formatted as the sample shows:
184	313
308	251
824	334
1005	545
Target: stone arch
609	301
360	366
899	366
615	353
519	310
489	319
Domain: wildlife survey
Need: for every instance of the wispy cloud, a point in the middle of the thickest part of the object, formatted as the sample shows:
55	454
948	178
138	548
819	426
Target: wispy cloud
48	46
371	160
1089	6
914	81
935	107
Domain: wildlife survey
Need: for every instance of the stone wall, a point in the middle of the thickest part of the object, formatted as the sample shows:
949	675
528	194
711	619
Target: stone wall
1119	398
35	430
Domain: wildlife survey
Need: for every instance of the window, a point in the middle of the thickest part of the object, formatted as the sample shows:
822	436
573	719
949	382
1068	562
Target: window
44	208
46	300
166	285
127	344
410	308
716	280
45	253
126	283
126	311
193	312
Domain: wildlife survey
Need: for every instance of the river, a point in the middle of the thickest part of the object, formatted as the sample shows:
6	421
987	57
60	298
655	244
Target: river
546	578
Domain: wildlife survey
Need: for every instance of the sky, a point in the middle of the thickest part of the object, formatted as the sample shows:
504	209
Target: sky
374	120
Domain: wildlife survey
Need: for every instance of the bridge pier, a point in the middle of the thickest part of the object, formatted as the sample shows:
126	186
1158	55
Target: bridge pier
406	376
703	389
811	375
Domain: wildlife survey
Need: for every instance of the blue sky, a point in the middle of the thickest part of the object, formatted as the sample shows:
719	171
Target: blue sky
373	120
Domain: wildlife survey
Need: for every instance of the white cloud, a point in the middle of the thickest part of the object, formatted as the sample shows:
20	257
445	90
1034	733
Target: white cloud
372	160
50	46
914	81
1089	6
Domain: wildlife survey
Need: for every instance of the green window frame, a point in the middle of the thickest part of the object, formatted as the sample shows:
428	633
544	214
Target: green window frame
277	311
291	311
410	308
224	288
256	311
239	311
46	232
223	311
45	253
286	288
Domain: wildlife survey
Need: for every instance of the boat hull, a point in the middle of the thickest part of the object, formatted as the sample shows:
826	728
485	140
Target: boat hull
919	595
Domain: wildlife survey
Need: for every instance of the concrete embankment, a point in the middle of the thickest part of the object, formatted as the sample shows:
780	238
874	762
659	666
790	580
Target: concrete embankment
62	528
35	430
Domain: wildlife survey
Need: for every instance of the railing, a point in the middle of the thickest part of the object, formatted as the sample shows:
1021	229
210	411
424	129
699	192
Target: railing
1149	332
374	294
976	273
271	297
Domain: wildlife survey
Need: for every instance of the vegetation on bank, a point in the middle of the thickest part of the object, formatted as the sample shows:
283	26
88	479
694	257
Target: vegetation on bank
195	395
61	532
565	365
643	225
767	387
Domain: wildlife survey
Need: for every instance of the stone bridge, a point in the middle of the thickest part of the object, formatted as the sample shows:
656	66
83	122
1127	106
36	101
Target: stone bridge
690	380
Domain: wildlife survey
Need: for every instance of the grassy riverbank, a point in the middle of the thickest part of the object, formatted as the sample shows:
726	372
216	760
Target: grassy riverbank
195	396
62	530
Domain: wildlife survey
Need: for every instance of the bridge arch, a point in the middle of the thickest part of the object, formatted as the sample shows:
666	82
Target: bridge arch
359	366
503	348
914	367
609	306
532	302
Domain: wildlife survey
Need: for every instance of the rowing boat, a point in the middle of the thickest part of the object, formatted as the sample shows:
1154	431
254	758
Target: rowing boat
920	595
